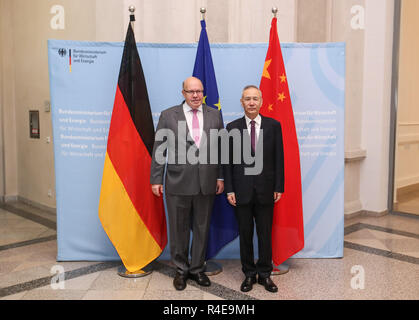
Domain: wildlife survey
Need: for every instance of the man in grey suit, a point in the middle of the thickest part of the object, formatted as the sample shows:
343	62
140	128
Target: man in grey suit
192	180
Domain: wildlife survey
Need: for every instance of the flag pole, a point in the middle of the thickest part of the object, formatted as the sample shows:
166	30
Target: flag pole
131	9
203	10
211	267
122	271
284	267
275	11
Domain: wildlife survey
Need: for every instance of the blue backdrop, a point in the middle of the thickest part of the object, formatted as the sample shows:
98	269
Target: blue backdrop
82	90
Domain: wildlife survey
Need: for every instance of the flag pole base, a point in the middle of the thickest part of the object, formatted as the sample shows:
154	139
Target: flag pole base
123	272
281	269
212	268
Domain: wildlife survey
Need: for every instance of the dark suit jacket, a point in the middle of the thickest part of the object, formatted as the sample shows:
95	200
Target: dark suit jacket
271	179
186	178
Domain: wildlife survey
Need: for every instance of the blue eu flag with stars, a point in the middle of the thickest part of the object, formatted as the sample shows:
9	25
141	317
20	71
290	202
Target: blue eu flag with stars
223	228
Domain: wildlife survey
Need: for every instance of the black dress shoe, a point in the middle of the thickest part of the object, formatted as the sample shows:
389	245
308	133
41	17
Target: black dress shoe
268	284
180	281
201	279
247	284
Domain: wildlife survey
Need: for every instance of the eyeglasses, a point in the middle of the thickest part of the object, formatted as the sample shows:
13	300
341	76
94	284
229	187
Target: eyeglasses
192	92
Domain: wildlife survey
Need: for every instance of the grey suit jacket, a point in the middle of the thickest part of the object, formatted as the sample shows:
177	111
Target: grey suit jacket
189	169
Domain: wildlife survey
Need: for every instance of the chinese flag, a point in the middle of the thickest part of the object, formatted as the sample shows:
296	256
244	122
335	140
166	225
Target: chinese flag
287	228
131	215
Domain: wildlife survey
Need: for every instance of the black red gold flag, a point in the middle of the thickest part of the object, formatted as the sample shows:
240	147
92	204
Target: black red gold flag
131	215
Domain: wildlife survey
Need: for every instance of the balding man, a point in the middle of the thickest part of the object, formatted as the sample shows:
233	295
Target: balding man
190	185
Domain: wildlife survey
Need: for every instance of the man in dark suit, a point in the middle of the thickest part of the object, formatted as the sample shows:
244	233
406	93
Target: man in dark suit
254	195
192	181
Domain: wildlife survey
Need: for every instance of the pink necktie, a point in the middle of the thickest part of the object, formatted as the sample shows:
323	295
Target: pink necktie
195	127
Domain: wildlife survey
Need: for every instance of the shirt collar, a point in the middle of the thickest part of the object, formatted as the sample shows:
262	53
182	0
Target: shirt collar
258	120
187	108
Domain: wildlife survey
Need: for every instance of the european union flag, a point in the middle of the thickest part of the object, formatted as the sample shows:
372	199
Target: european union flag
223	227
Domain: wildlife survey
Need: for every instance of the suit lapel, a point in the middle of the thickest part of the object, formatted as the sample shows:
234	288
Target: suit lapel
180	116
205	119
206	126
262	129
262	122
243	125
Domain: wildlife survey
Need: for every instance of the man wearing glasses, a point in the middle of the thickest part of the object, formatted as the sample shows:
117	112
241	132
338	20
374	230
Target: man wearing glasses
190	185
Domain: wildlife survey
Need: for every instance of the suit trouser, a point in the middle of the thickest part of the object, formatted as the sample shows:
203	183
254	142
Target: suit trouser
246	215
182	212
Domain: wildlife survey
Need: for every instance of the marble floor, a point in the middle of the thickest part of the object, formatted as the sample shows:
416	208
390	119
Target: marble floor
381	261
408	202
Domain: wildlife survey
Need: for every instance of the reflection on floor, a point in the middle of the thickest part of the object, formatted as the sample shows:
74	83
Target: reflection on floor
381	261
408	201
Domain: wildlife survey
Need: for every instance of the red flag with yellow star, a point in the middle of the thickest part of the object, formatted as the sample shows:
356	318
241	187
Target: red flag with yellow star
287	228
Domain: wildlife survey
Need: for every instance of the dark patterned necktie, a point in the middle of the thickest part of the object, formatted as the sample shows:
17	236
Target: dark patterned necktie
253	136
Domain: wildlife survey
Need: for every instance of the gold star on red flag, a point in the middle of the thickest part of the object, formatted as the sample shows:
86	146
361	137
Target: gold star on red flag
283	78
265	72
281	96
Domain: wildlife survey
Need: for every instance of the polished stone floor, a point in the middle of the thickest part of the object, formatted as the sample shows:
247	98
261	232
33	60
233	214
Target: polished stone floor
408	202
381	261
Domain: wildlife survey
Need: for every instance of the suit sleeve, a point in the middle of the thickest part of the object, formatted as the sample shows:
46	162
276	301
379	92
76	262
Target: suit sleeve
279	160
157	169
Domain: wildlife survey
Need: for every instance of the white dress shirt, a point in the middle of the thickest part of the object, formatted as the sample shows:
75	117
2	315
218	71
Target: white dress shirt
258	122
188	111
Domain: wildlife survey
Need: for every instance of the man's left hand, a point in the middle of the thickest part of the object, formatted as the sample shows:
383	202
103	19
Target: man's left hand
277	196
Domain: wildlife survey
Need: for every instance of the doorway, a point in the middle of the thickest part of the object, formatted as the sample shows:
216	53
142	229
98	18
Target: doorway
404	171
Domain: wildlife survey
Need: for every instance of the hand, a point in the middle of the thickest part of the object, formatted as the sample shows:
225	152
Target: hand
277	196
157	189
231	197
220	187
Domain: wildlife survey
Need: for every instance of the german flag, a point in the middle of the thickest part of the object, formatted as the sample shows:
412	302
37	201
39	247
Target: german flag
131	215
